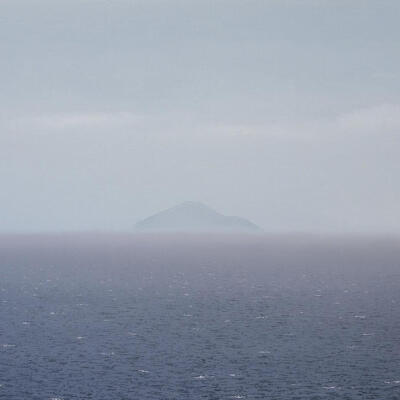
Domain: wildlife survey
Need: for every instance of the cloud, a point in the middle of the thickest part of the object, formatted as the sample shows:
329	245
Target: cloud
383	119
371	121
65	122
379	119
71	120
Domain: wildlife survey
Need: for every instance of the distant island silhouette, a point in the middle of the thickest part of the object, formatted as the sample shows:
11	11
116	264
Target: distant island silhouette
193	216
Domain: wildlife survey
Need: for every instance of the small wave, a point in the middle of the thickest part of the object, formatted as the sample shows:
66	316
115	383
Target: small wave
107	354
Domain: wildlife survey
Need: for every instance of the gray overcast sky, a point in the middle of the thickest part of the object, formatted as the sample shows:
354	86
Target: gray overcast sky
285	112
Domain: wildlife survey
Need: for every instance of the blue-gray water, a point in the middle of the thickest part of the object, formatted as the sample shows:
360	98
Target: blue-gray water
196	317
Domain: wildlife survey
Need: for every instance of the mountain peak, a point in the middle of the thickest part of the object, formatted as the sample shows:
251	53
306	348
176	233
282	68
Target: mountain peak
194	216
192	204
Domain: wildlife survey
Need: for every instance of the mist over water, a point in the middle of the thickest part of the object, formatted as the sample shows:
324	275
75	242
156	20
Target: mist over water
199	317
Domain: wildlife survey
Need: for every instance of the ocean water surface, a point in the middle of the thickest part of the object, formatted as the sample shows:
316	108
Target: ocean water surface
113	317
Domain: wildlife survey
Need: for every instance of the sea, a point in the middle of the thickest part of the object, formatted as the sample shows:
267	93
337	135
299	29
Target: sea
186	316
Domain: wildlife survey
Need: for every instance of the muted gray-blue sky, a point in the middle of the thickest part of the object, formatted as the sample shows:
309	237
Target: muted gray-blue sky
285	112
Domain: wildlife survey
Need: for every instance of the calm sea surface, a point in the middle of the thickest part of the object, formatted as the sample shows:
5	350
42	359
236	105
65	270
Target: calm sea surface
113	317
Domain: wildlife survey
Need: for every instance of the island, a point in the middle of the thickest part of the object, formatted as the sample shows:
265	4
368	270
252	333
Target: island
193	216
